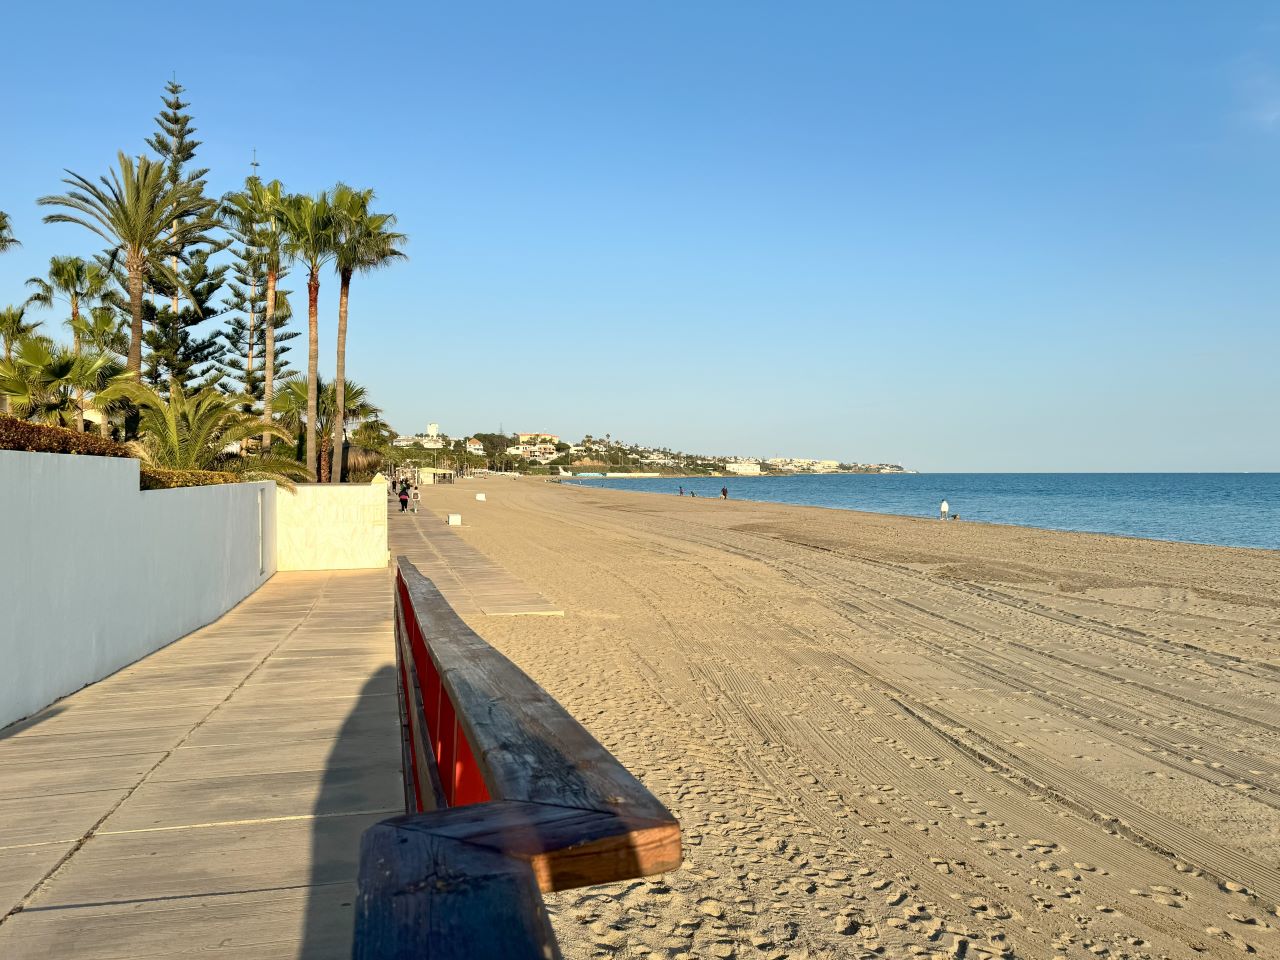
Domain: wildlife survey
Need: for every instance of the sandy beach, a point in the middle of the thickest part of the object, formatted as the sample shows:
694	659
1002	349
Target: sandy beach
898	737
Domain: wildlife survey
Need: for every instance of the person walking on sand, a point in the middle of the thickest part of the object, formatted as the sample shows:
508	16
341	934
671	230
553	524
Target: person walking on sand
945	509
404	499
416	497
724	493
681	493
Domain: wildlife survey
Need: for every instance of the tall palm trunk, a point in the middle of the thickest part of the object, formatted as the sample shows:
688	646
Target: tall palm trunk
75	346
134	363
313	364
339	384
269	356
325	442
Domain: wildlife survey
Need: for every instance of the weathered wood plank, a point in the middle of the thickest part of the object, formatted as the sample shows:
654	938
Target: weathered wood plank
464	881
528	746
566	847
428	896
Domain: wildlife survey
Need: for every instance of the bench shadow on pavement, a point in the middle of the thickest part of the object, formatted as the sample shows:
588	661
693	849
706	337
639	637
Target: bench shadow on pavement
357	783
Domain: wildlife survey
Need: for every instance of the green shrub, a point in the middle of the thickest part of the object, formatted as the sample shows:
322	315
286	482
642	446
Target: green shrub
157	478
17	434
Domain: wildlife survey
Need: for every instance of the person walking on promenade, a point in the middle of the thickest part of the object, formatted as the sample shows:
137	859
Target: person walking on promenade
724	493
404	498
415	497
945	509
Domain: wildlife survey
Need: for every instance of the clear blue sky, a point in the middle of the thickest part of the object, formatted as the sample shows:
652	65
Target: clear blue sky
998	236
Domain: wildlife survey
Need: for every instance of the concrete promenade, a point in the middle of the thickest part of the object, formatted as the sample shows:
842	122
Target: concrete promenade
209	799
473	584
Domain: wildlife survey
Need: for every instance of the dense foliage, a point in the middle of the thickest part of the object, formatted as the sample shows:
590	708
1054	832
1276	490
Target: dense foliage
183	314
158	478
18	434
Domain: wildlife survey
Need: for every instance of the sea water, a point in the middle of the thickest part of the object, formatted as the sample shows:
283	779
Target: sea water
1231	509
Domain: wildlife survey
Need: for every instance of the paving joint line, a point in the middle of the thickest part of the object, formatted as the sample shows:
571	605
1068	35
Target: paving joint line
53	871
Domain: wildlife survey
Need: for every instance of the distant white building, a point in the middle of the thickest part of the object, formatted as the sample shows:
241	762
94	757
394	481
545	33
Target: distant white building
430	442
539	452
745	468
475	446
433	429
803	463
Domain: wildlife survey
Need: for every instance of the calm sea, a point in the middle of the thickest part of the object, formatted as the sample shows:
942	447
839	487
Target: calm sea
1233	509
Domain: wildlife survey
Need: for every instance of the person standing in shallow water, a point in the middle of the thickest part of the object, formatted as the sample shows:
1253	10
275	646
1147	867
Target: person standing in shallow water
944	510
724	493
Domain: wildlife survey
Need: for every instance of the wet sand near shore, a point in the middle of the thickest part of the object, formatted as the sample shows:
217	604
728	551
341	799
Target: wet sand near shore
897	737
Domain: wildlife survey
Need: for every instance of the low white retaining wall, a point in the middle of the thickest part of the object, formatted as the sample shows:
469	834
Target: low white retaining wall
332	527
95	574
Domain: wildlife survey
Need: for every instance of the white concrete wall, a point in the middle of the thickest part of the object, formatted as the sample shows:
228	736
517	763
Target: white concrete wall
95	574
332	527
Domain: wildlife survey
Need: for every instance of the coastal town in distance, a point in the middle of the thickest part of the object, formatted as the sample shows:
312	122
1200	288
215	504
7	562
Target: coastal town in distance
593	456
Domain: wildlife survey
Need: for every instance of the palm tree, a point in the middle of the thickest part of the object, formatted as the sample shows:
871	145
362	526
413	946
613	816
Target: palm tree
7	242
145	218
13	330
199	431
362	241
374	435
307	225
293	405
46	383
77	283
259	204
103	331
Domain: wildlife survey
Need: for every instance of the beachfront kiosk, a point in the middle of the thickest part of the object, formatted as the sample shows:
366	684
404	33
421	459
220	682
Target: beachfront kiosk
430	475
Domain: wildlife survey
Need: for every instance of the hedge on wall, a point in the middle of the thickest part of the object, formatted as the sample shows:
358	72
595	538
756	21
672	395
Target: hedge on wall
17	434
157	478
